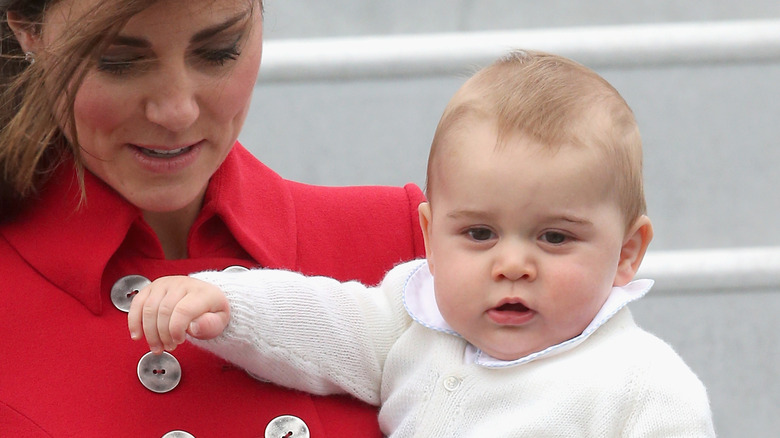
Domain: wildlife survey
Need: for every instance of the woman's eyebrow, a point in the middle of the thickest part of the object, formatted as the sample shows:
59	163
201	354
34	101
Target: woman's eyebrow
122	40
209	32
205	34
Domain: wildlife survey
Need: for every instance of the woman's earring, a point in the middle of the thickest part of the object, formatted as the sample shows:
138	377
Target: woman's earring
29	57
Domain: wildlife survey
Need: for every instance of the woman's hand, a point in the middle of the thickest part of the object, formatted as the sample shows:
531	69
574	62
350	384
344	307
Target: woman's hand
171	306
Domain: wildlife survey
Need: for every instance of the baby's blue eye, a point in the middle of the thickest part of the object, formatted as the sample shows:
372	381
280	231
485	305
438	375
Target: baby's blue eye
554	237
480	233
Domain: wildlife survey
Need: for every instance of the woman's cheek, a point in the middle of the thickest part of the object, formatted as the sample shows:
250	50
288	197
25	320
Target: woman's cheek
236	94
98	112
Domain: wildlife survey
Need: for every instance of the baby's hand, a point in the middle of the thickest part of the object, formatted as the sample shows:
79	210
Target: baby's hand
172	306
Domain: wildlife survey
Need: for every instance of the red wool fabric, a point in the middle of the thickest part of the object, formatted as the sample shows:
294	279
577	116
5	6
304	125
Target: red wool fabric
67	363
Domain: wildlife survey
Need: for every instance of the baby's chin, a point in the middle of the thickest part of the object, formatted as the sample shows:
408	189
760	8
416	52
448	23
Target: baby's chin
510	355
521	351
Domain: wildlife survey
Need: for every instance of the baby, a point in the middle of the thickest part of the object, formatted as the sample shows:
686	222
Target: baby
516	322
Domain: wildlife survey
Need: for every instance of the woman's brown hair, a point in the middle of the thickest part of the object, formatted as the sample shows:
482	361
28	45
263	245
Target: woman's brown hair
32	143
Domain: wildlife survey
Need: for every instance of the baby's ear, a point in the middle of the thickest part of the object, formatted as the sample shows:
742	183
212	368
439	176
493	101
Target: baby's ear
633	251
424	210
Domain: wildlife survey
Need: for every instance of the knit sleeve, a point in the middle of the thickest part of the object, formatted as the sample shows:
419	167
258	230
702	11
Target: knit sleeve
669	399
310	333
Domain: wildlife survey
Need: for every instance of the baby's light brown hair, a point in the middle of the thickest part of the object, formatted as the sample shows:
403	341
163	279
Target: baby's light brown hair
554	101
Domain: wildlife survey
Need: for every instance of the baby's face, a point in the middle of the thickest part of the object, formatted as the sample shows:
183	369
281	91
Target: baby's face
523	243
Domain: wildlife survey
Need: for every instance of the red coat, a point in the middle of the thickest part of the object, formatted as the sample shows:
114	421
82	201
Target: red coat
67	364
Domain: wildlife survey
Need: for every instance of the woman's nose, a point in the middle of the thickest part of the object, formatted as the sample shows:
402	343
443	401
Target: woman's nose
514	262
173	103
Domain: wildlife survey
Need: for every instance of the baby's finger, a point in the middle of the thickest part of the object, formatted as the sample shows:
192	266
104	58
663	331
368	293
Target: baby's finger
135	314
149	314
169	306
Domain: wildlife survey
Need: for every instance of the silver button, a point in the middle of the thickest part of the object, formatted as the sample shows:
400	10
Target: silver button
256	377
451	383
159	372
178	434
287	426
235	268
125	289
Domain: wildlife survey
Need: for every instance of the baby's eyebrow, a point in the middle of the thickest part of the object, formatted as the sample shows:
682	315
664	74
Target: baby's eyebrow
469	213
574	220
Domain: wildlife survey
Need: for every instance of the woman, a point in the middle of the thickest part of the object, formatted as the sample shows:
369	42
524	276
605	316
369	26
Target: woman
119	164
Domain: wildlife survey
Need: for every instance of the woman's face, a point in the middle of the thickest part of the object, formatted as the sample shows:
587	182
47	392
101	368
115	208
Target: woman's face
165	103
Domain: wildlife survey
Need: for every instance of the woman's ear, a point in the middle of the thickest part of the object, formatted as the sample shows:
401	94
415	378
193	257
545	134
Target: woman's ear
633	251
424	210
25	32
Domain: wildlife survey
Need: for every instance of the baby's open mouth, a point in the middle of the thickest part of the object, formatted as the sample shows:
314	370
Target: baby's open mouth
512	313
512	307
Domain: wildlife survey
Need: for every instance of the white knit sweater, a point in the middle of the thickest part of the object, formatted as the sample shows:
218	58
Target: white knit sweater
325	337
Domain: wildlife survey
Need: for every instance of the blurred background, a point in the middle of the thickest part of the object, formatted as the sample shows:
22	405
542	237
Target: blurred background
710	126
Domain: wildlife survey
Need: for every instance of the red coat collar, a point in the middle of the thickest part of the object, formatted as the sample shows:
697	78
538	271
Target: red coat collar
71	246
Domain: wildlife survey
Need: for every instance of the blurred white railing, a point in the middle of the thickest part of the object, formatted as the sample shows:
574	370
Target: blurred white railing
419	55
713	270
377	57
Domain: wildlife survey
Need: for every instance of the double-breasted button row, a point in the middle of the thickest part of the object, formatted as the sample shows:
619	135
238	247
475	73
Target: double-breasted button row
284	426
158	373
161	373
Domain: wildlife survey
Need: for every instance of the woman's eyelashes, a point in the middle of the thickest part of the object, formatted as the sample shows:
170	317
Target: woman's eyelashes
138	63
119	66
219	57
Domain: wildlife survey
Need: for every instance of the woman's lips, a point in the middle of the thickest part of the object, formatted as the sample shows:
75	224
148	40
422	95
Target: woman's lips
166	159
511	312
164	153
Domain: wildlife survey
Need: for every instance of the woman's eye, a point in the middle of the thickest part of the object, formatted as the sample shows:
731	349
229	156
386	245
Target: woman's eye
220	56
554	237
480	234
117	66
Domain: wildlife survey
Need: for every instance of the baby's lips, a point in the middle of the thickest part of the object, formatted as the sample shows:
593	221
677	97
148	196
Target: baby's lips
512	307
511	304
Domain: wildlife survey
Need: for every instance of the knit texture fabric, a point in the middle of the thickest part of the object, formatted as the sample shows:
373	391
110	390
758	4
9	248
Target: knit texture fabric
322	336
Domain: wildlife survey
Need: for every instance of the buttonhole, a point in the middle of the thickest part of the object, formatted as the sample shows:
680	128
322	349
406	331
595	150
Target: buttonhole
132	293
